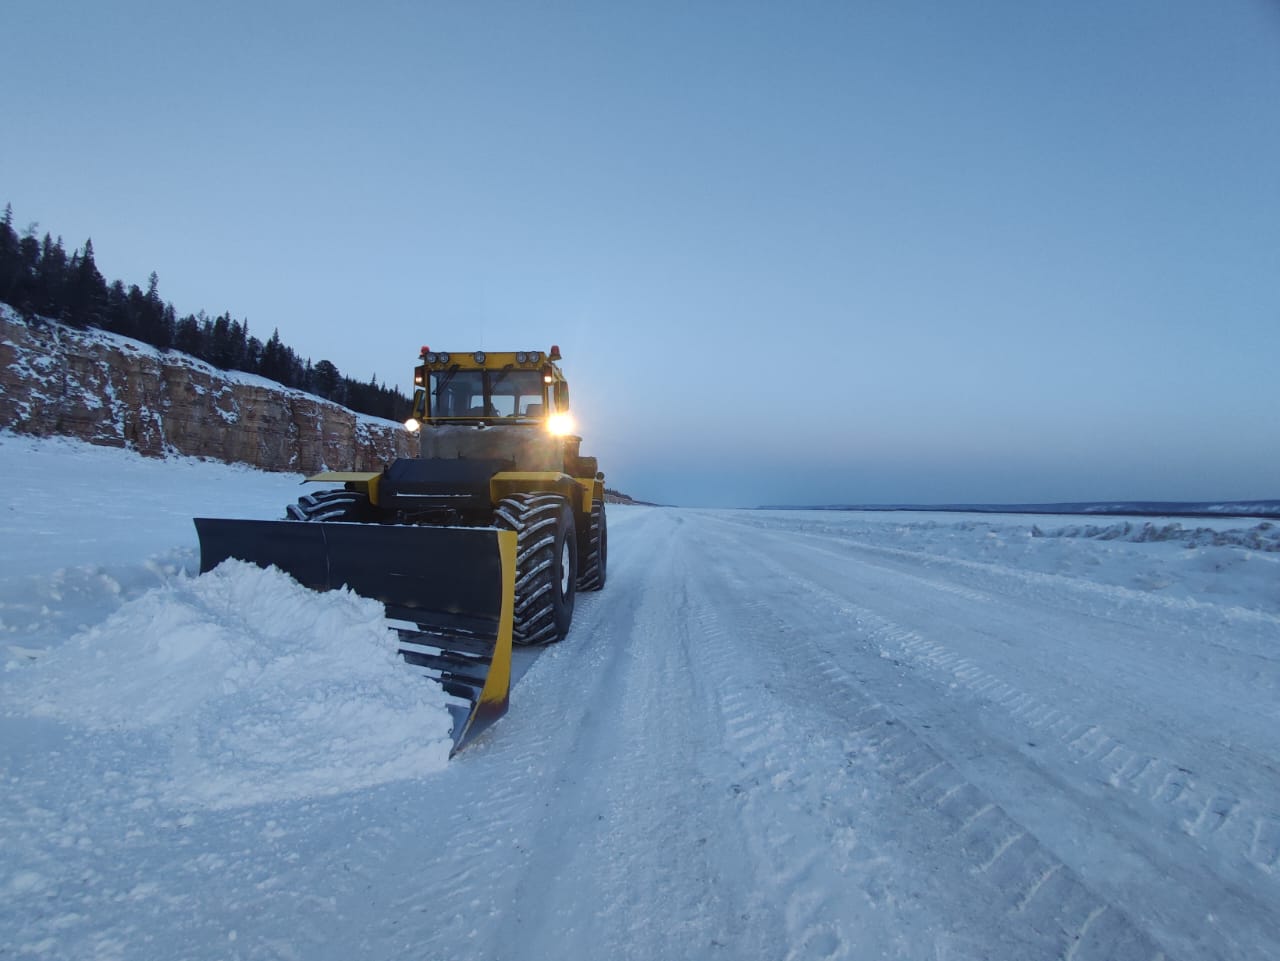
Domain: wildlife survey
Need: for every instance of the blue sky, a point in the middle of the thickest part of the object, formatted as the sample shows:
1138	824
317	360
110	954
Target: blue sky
793	253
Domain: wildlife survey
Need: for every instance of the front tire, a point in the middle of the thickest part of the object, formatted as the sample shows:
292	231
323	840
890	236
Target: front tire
546	565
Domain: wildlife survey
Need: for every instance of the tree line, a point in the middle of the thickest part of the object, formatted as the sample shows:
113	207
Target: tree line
39	279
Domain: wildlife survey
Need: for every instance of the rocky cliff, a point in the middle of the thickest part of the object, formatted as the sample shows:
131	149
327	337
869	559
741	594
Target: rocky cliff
111	390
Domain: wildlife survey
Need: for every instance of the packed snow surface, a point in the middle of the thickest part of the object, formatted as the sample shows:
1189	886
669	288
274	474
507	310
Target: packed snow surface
773	735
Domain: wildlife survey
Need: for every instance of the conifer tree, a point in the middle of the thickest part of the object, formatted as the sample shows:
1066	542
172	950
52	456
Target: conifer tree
10	257
187	336
326	381
50	277
86	291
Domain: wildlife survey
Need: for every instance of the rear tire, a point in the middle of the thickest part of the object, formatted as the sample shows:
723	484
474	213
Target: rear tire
335	504
595	560
546	565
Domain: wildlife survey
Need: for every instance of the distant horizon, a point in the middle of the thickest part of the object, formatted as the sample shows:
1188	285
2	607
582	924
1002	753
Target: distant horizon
1261	507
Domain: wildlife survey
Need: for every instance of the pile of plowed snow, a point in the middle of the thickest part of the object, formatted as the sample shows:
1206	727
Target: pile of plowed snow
262	689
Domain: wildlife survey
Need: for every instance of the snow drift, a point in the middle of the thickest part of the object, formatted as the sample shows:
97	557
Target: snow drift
260	689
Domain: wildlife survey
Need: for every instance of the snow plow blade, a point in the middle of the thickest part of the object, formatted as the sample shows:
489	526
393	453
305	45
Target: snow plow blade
453	587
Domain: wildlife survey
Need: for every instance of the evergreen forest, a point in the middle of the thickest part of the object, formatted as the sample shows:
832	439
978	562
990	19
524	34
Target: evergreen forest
39	279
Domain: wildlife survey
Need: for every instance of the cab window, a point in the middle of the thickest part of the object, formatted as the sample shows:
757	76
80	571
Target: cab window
486	393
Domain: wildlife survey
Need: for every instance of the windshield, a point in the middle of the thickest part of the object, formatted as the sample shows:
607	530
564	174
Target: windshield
486	393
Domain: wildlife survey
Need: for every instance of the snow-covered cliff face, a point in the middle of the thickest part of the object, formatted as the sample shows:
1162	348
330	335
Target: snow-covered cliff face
111	390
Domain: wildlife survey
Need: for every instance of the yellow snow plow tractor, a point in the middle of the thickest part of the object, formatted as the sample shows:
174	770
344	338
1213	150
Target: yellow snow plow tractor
481	541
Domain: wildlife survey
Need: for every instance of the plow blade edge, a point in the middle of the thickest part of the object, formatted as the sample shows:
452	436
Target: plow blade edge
453	587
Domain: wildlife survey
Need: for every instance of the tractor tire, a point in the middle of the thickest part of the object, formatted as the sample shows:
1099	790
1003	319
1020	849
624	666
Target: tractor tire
595	560
335	504
546	564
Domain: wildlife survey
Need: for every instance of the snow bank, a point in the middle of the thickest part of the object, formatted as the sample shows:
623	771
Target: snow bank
1262	537
262	690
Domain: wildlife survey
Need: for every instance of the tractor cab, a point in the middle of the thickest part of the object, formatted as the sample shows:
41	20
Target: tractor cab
508	388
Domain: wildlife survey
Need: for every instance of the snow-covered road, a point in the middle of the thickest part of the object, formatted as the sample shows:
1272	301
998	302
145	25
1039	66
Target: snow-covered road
773	735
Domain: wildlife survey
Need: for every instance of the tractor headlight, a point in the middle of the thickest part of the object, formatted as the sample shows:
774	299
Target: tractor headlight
521	357
478	356
560	424
412	425
443	358
432	358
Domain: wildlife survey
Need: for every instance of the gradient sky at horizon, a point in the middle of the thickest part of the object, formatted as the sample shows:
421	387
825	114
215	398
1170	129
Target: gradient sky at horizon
1016	251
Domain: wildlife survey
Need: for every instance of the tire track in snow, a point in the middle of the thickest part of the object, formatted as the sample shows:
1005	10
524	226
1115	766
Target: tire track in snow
1237	914
790	859
1245	829
1200	808
1043	901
